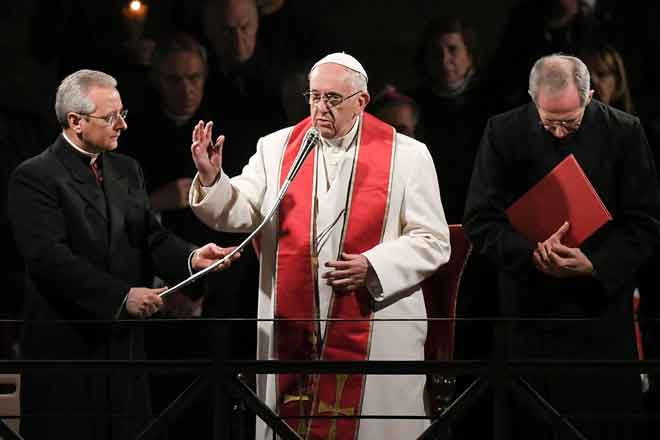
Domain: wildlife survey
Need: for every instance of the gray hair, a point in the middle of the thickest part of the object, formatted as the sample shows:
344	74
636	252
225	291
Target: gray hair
358	80
73	90
556	72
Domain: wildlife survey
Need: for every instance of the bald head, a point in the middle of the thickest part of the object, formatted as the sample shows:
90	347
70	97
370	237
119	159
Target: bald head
559	86
556	74
231	26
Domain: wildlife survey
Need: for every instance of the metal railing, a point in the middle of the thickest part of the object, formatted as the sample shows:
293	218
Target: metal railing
499	373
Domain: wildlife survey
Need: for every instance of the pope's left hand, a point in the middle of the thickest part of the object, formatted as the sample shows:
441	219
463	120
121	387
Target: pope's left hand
349	274
209	254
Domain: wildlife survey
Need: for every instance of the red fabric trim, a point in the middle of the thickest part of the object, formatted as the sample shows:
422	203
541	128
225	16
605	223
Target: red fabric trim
295	289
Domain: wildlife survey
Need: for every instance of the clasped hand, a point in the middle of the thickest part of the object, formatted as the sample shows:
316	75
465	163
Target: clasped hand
558	260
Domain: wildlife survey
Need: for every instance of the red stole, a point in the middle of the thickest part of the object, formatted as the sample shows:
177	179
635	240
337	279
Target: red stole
327	394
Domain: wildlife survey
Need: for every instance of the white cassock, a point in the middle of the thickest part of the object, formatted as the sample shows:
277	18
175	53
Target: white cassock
415	243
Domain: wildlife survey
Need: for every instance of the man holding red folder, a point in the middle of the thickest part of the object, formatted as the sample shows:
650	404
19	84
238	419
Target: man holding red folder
551	279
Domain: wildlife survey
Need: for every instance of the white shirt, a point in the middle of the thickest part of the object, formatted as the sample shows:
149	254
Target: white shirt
333	152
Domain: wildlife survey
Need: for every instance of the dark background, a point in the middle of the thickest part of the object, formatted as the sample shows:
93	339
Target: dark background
383	35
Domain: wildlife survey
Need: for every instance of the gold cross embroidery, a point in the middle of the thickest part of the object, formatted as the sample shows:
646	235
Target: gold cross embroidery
301	397
302	424
288	398
335	409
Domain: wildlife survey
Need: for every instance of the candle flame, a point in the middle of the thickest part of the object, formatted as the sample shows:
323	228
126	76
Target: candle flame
135	5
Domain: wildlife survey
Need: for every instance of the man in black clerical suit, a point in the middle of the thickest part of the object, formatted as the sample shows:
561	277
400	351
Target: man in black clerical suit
82	221
552	280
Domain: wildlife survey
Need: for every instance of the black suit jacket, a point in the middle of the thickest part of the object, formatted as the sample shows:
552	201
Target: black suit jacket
85	247
515	152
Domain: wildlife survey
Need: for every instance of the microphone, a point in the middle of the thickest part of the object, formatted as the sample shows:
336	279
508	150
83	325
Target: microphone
310	140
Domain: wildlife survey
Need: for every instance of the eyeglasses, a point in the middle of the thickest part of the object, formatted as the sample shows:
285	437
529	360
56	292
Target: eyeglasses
569	125
331	99
110	118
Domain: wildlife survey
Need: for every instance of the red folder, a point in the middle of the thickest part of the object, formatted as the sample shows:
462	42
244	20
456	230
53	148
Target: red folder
564	194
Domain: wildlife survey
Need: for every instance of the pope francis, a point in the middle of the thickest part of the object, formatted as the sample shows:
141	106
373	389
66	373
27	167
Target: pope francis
359	228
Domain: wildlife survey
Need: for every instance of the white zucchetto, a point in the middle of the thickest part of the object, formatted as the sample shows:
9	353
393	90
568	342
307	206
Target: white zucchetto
343	59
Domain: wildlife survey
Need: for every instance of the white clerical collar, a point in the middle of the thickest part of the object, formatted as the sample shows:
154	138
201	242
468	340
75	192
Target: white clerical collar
456	88
177	119
92	156
343	142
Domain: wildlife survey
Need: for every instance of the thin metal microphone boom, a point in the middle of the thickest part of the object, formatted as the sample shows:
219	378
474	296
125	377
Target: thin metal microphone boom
309	142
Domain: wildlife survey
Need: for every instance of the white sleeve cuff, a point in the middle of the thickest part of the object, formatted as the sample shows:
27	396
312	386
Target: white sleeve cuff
373	284
190	257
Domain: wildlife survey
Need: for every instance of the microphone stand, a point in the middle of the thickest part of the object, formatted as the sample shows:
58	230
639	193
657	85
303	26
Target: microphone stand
310	140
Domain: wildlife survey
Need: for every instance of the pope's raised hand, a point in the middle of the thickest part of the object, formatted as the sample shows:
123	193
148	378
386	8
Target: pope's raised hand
206	154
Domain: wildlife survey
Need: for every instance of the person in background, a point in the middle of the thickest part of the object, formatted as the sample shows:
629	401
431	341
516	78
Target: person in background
177	100
82	221
397	109
241	74
452	105
608	76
